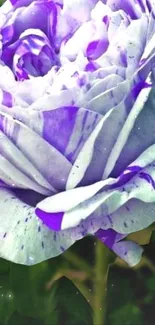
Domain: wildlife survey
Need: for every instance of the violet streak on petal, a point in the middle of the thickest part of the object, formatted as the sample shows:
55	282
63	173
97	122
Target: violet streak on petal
53	221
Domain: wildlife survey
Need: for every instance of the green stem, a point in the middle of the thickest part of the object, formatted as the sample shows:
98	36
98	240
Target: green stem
100	283
78	262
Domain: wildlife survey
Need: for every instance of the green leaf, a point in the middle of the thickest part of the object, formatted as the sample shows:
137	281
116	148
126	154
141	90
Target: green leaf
118	284
141	237
4	266
153	237
29	286
17	319
150	284
6	300
22	287
128	314
66	305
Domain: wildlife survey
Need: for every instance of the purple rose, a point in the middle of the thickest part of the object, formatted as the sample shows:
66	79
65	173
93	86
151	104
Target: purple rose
77	135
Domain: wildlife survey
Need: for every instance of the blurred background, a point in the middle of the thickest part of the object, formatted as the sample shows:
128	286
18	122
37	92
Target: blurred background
61	291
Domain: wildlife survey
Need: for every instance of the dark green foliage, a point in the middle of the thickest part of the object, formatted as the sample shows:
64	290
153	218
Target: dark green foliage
6	299
67	306
41	295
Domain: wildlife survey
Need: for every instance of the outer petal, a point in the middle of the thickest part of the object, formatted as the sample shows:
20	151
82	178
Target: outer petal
126	250
23	237
129	188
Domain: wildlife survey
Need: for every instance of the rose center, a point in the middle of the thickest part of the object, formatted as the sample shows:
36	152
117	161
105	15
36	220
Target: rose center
31	55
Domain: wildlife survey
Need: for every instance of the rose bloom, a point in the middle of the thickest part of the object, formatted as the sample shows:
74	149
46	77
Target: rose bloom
77	130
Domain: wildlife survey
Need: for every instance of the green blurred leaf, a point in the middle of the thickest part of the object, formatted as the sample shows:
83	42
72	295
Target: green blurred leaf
4	266
17	319
23	289
29	286
153	237
6	300
127	315
150	284
67	306
141	237
120	290
148	299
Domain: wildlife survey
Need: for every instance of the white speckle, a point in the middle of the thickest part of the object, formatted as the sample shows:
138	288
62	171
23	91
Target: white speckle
30	259
10	295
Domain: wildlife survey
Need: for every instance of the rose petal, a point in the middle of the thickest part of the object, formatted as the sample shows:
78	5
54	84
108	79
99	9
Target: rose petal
111	198
33	147
129	251
23	237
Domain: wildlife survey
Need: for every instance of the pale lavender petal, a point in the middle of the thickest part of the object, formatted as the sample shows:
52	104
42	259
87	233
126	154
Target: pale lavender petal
76	125
28	16
32	55
33	147
112	199
135	9
6	98
24	238
129	251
